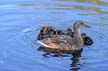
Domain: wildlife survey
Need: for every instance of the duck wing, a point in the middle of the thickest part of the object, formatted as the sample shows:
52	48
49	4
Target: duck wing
61	42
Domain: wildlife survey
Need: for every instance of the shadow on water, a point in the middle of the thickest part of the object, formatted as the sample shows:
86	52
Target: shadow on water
75	55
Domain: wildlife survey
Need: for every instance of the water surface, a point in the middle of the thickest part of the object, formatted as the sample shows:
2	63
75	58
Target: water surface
21	21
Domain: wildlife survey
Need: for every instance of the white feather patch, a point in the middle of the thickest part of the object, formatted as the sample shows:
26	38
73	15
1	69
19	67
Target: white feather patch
43	44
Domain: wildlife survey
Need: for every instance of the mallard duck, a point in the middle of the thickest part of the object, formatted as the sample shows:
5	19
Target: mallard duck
69	32
59	32
40	35
44	32
64	42
87	40
47	31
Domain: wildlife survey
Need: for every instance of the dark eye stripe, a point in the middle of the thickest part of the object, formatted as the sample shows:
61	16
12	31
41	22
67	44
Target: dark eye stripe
82	23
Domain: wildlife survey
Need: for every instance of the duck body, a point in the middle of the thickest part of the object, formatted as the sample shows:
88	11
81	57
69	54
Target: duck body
88	41
64	42
57	42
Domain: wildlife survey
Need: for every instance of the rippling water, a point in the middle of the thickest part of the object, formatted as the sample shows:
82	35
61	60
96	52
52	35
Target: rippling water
21	21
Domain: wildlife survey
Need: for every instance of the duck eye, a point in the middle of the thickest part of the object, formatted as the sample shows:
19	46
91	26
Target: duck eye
82	23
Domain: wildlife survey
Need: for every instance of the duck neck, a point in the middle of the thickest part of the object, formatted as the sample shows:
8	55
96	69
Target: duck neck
77	37
77	33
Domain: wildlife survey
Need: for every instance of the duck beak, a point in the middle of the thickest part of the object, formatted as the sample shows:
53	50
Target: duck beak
87	26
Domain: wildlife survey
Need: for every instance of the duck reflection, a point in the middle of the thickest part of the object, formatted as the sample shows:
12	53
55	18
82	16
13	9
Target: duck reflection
55	53
75	60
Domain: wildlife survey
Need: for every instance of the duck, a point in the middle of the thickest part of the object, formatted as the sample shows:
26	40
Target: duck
47	31
87	40
44	32
69	32
64	42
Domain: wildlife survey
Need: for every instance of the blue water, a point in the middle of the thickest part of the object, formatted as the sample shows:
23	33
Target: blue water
21	21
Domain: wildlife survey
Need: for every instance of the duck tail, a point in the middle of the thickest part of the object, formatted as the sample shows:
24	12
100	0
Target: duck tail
42	43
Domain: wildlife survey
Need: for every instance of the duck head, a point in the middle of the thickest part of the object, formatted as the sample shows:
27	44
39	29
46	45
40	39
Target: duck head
68	30
83	35
80	24
52	32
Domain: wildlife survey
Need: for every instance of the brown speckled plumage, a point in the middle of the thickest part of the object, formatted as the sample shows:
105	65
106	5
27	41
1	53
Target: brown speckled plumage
63	42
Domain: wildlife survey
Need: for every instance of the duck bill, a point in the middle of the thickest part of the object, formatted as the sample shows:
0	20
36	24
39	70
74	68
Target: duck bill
87	26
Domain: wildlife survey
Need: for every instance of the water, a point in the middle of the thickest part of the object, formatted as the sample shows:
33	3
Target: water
21	21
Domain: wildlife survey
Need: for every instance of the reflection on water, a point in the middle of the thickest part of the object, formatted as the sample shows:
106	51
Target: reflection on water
21	21
68	9
75	55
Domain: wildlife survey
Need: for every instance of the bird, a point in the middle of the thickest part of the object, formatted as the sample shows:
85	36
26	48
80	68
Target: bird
48	31
69	32
87	40
64	42
44	32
